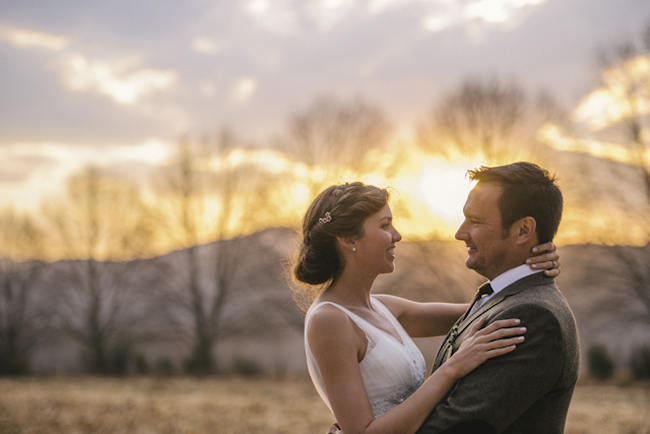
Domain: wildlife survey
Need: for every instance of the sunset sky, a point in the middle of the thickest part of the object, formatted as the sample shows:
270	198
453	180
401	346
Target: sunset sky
116	83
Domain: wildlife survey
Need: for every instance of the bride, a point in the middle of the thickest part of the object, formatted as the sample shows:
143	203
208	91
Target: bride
360	353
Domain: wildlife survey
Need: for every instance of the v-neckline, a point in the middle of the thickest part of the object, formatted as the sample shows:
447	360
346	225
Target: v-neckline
397	338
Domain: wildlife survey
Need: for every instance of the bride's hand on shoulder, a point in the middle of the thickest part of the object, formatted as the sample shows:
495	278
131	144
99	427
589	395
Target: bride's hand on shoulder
546	258
481	344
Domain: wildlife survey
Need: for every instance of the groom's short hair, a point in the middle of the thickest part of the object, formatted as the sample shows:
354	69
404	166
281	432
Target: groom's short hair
527	190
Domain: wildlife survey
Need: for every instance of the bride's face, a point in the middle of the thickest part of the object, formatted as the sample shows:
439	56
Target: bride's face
376	247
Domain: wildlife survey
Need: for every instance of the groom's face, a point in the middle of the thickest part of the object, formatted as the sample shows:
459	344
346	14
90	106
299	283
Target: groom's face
486	240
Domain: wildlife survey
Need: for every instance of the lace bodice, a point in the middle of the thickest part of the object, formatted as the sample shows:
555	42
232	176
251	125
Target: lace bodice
391	370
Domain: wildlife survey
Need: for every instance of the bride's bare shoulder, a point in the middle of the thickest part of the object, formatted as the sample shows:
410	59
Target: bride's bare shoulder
326	316
328	324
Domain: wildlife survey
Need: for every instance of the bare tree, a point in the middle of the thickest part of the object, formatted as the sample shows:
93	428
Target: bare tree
625	82
489	119
99	223
335	136
208	199
23	321
619	110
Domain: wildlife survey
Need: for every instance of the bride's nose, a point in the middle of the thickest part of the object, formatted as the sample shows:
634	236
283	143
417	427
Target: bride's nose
396	235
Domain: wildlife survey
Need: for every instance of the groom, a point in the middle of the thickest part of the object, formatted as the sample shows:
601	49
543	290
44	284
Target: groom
511	209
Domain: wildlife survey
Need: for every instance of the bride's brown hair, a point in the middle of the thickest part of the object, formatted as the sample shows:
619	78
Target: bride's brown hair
338	211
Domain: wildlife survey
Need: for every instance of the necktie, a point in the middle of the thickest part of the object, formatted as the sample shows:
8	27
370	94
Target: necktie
483	291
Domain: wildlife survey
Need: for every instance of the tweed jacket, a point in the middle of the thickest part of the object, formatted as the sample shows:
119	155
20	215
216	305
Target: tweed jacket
525	391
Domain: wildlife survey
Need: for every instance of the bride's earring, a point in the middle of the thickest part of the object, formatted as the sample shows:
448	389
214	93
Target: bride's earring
354	249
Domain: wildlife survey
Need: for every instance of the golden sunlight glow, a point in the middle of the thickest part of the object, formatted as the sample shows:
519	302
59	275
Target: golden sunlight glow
613	102
63	160
431	193
116	80
31	38
153	151
272	161
428	193
603	226
444	190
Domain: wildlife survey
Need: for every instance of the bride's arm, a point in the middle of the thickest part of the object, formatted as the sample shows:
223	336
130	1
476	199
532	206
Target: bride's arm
435	319
423	319
336	347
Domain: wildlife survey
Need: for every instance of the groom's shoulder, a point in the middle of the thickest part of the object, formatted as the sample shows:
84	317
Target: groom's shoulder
536	288
542	296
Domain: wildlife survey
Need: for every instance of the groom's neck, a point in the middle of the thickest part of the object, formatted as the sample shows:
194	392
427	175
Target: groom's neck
506	264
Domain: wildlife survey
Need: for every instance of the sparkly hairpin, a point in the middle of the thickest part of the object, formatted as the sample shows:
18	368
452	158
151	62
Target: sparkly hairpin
326	219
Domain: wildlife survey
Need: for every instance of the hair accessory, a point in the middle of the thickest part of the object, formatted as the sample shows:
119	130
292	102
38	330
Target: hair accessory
326	219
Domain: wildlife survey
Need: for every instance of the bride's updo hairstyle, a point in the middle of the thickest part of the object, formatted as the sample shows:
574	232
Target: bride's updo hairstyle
338	211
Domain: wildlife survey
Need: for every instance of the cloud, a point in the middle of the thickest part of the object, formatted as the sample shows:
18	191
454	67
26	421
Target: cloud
205	45
119	81
32	38
439	21
496	11
555	137
380	6
443	14
207	88
244	89
327	13
279	16
17	166
617	98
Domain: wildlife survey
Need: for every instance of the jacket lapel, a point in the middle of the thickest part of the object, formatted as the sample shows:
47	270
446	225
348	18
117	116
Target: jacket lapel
460	326
443	347
512	289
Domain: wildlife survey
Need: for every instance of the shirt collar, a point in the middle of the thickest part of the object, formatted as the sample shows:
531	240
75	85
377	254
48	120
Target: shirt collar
511	276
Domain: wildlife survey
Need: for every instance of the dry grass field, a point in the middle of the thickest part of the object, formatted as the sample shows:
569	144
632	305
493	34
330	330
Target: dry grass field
242	406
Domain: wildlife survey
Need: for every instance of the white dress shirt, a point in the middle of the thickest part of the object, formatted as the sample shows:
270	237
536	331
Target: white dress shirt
505	279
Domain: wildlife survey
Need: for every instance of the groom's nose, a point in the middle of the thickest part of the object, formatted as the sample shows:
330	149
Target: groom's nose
461	234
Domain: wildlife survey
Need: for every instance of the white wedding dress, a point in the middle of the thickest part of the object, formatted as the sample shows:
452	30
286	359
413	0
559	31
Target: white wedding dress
391	370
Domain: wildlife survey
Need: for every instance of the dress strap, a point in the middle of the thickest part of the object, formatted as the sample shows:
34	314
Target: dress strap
392	319
359	321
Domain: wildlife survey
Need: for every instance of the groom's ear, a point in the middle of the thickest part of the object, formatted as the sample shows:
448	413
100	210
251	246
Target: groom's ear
525	230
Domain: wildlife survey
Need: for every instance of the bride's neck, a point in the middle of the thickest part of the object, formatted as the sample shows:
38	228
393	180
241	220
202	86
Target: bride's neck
351	289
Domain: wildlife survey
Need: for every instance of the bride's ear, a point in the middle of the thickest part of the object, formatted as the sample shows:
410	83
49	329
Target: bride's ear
346	244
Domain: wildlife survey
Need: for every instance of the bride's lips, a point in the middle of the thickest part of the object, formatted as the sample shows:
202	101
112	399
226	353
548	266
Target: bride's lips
391	252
